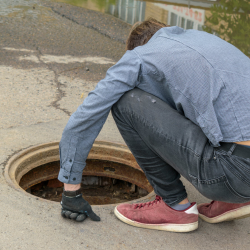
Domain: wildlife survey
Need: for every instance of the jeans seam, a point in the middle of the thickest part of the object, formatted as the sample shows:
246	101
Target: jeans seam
220	152
241	166
147	124
210	181
233	191
213	181
241	178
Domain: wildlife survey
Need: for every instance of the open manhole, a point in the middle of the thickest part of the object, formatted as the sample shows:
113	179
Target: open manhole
110	176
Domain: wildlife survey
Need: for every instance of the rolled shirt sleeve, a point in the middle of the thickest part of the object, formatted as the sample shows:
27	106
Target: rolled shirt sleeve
85	124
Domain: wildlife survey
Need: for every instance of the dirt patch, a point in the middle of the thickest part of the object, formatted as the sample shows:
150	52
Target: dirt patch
96	190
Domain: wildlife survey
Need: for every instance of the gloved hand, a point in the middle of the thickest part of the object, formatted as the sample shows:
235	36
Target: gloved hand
76	208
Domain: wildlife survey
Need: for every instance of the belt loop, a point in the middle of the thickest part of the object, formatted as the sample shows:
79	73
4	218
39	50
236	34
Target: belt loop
230	151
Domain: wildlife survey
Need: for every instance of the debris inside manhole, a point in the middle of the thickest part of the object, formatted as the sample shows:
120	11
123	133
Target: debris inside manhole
111	174
96	190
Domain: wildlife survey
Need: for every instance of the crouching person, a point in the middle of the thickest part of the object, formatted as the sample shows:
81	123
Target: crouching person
181	101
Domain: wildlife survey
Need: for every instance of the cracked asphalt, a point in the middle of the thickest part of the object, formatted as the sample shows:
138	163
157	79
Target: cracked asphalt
51	56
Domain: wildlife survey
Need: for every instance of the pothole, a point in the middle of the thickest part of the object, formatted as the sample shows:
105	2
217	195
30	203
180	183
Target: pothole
110	176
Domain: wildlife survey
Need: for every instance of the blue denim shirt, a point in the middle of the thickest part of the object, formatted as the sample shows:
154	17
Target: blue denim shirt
200	75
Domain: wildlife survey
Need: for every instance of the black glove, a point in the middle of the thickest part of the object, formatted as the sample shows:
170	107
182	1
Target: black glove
76	208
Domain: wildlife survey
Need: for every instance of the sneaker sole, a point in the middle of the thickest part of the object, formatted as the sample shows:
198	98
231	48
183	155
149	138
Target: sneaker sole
236	214
165	227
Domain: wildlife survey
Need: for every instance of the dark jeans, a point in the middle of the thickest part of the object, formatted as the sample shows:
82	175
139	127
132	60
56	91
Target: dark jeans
166	144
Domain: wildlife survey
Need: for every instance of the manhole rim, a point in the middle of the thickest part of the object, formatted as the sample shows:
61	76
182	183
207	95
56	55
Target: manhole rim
14	161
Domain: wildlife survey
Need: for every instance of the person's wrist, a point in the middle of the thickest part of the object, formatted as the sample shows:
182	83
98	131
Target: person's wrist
72	193
72	187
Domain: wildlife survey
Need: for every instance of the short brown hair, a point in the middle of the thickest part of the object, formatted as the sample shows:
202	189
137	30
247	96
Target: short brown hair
141	32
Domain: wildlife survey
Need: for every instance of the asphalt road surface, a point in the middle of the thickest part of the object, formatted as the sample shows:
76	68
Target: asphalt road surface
51	56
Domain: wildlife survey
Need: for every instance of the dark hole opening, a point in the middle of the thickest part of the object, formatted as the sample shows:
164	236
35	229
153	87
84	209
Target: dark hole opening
97	190
103	182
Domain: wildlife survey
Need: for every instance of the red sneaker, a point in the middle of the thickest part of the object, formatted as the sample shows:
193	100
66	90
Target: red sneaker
158	215
218	211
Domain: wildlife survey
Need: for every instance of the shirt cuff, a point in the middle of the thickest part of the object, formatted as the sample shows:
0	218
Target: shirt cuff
69	177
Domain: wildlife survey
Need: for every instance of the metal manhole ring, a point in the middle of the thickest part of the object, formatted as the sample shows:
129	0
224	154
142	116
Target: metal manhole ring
26	160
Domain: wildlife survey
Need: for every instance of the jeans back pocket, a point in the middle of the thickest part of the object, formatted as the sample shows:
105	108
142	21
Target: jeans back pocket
237	171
